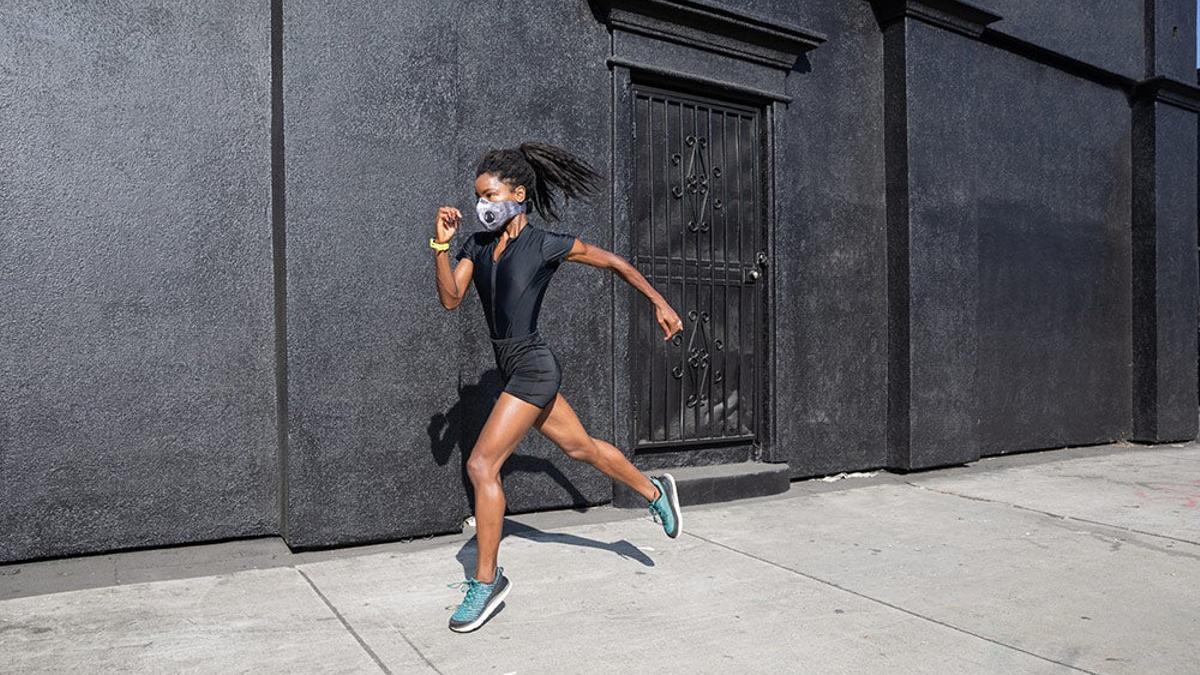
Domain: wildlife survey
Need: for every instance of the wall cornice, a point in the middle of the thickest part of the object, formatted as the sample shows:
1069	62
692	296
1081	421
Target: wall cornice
1168	90
955	15
712	28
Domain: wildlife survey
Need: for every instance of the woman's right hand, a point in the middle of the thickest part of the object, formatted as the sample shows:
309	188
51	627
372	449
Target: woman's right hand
448	220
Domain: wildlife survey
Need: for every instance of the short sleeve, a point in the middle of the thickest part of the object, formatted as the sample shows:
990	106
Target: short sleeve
556	246
467	248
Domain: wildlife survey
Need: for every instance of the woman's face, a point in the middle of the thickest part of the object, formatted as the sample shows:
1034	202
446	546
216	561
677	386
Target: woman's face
491	189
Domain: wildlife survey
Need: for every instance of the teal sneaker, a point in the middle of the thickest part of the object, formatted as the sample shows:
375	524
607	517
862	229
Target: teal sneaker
480	602
665	509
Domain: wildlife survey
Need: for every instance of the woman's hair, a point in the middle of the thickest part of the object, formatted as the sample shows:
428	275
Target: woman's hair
541	168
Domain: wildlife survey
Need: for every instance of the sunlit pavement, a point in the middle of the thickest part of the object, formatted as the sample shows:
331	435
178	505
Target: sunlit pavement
1071	560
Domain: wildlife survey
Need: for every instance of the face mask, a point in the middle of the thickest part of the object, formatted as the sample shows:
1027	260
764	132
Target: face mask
494	215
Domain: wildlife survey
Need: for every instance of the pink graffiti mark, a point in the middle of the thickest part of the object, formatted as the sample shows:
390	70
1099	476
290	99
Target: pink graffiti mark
1171	492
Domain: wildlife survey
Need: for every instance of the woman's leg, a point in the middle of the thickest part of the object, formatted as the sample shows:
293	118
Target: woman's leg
562	426
510	418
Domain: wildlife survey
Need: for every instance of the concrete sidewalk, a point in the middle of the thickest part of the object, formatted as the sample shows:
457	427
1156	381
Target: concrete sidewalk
1074	560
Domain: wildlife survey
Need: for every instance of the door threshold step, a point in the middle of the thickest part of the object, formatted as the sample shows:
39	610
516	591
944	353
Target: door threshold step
713	483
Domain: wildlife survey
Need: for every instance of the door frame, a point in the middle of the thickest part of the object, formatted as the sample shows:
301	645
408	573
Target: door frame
626	301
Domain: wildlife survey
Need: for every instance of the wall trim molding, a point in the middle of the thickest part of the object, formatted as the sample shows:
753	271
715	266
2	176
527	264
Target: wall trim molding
1167	90
954	15
968	19
716	29
721	85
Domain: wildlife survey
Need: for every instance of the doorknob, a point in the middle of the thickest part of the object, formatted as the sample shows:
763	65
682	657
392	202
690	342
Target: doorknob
751	273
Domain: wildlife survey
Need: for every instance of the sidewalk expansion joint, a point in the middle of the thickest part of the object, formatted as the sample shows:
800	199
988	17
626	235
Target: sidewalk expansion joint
350	628
890	605
1060	516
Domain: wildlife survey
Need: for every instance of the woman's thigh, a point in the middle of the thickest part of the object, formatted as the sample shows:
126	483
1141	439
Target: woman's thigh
562	426
506	425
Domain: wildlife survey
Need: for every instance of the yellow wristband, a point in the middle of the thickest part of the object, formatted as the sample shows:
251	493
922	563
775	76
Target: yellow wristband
440	247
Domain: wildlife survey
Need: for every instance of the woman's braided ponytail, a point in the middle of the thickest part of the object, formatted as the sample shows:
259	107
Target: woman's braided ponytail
542	168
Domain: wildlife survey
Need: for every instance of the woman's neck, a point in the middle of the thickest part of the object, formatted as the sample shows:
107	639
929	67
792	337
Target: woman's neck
516	225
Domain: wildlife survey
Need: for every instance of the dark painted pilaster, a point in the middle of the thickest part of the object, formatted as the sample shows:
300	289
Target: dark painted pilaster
1164	234
932	263
279	258
896	170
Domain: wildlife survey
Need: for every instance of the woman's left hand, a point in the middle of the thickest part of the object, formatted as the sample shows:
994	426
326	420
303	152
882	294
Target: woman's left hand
668	320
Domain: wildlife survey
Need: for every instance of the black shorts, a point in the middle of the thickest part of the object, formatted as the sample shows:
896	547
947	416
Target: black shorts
529	369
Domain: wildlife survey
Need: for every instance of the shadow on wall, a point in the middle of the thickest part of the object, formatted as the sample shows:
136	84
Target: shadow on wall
461	425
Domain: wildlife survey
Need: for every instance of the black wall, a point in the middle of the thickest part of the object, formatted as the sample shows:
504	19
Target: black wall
221	317
1020	207
1021	182
831	248
137	390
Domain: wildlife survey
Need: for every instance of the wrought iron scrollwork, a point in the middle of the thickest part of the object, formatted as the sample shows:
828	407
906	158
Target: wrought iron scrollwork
697	358
695	183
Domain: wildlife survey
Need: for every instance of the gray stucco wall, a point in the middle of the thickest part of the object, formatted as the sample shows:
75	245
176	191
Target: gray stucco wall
1020	176
1020	166
1053	215
136	363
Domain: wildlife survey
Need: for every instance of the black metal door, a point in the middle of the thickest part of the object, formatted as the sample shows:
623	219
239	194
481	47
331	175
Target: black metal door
698	237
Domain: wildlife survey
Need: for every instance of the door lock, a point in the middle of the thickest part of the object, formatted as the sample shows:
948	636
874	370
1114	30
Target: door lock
751	274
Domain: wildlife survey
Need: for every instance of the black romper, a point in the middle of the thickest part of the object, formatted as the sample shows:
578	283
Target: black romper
519	280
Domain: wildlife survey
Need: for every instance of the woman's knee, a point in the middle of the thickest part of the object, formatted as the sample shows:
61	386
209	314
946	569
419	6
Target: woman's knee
582	450
480	468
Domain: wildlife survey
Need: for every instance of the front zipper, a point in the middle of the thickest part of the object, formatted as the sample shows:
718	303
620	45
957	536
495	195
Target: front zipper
495	264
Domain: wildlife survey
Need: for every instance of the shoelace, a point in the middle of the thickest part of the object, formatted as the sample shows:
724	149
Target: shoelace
471	586
654	513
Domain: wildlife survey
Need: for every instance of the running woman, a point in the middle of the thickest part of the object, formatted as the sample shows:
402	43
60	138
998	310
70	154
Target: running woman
511	262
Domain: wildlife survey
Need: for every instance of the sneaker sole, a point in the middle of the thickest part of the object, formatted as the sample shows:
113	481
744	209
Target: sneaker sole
673	498
492	603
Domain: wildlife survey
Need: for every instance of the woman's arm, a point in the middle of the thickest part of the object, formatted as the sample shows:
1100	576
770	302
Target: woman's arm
452	285
590	254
